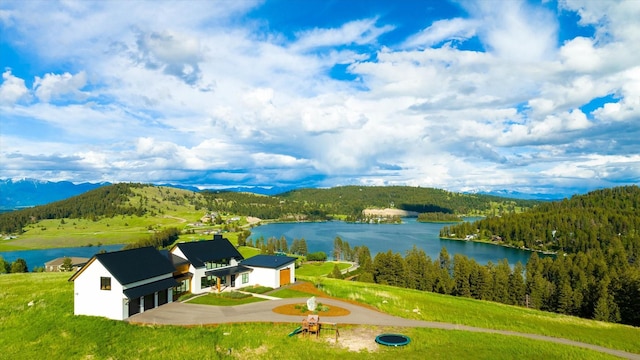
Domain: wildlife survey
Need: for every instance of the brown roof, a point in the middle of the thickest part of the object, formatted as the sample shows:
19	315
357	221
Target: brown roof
75	261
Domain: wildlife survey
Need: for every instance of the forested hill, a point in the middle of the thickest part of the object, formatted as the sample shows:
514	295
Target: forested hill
307	204
106	201
583	222
353	199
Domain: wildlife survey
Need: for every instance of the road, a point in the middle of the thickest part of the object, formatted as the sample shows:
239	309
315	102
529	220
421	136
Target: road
193	314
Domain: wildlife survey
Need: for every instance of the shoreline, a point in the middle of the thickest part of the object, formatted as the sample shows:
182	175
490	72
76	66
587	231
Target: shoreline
545	252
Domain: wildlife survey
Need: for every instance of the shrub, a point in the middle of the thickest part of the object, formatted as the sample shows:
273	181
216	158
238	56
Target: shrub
317	256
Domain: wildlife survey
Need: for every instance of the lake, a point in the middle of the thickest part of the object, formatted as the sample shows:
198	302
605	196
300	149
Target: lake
37	258
383	237
320	236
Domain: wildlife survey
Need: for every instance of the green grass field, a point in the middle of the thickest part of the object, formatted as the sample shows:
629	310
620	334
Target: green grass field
428	306
49	328
320	268
169	212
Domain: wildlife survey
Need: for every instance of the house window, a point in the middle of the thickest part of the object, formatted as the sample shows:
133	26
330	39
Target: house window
105	283
217	264
245	278
207	281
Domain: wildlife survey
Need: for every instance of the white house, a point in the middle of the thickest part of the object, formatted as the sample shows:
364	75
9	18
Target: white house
119	284
194	260
271	271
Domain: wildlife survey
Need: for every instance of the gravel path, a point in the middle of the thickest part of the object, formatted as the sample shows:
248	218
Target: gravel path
193	314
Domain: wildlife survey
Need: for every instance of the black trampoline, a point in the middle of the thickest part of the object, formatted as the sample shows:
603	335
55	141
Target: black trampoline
393	339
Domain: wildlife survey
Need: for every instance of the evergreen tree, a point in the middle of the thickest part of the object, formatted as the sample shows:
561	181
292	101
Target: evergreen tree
501	275
337	248
19	266
303	247
517	288
336	273
461	275
67	264
5	266
417	264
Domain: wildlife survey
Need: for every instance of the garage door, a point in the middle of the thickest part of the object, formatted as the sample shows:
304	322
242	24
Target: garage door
163	297
285	276
134	306
149	302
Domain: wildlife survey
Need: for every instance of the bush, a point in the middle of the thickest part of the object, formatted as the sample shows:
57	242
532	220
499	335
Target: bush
317	256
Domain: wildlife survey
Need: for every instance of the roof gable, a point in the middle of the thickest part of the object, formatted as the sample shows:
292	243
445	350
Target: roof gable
268	261
132	265
199	252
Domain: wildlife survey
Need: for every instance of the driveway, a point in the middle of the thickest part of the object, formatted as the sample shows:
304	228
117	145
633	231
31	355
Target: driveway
194	314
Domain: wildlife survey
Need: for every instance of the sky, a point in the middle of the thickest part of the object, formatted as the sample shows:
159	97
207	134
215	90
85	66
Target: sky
528	96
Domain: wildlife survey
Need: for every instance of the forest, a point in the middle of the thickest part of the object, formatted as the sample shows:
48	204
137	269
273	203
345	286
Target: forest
305	204
595	273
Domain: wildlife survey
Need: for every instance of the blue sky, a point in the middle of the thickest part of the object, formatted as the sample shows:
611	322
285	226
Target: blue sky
528	96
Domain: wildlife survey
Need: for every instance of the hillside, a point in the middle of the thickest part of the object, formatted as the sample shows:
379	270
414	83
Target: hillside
48	323
577	224
350	201
127	212
597	236
114	214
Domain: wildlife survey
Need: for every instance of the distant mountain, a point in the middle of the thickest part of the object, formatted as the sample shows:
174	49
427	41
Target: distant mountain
511	194
31	192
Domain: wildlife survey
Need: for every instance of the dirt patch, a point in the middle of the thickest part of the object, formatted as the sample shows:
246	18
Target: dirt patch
294	309
357	339
388	212
308	288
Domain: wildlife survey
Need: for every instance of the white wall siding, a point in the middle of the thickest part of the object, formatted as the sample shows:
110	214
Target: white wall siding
90	300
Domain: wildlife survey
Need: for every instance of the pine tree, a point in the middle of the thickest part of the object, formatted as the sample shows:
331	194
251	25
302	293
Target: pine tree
461	274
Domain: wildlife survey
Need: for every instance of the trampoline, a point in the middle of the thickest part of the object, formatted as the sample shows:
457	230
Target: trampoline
393	339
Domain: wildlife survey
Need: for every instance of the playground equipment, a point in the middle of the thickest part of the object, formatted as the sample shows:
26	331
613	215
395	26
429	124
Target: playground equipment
312	325
393	339
296	331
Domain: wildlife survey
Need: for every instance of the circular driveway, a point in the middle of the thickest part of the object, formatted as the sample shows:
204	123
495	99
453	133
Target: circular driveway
186	314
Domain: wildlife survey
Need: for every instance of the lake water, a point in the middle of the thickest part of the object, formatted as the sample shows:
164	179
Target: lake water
320	236
37	258
383	237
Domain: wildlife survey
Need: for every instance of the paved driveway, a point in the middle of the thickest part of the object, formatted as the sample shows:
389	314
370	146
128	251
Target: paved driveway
194	314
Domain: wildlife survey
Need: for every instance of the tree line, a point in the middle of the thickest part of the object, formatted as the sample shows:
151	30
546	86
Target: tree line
595	274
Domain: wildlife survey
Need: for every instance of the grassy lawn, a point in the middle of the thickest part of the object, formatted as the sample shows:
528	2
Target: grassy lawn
214	299
485	314
320	268
288	293
49	327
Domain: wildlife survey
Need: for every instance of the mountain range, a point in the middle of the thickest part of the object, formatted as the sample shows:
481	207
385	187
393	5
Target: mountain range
23	193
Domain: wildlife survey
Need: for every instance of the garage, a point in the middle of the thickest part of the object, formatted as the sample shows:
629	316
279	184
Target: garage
163	297
149	302
134	306
285	276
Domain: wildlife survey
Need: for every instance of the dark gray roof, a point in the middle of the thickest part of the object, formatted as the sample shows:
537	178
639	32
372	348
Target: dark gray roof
129	266
230	270
150	288
199	252
268	261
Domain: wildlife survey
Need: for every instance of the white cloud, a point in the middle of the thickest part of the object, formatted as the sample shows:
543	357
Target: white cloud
55	87
516	30
355	32
193	93
12	89
443	30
